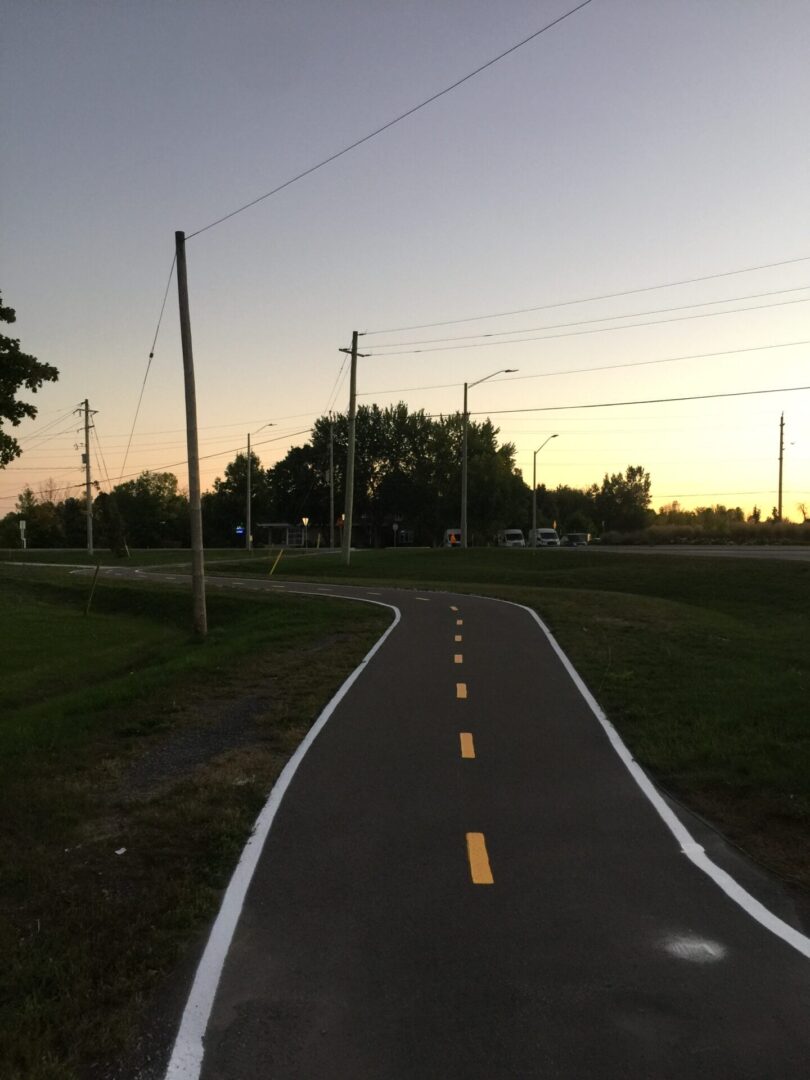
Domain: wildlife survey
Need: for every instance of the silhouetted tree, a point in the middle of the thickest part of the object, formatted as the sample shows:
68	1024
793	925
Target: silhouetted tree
408	471
623	500
154	512
18	370
225	506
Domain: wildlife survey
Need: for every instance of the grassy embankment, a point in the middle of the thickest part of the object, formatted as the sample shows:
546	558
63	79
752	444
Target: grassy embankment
139	557
118	732
703	664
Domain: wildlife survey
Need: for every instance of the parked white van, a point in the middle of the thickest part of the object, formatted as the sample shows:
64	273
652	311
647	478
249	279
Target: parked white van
545	538
511	538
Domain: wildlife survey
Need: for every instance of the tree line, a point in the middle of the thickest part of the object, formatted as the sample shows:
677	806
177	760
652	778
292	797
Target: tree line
407	473
407	477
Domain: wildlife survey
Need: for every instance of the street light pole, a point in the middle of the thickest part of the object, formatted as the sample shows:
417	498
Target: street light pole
248	507
464	427
534	491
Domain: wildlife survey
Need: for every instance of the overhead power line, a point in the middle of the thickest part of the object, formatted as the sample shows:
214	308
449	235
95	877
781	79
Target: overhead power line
149	363
600	367
240	424
597	330
206	457
645	401
589	299
28	440
587	322
391	123
337	385
101	454
716	494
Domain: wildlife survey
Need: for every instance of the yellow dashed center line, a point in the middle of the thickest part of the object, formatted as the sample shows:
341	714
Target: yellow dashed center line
457	637
459	622
479	860
467	747
453	607
458	658
461	690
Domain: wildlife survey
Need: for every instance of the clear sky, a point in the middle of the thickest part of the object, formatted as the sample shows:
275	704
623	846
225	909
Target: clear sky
638	143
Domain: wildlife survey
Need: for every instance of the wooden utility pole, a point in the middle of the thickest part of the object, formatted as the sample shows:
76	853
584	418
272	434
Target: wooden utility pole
248	538
464	426
331	483
197	565
347	525
88	495
781	461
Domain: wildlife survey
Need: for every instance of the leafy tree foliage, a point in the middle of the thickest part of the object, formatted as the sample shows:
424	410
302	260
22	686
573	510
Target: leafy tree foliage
710	518
153	511
224	507
48	523
566	509
110	524
623	500
18	370
407	471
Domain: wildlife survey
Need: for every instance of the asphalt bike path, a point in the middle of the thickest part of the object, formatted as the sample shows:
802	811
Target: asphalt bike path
463	880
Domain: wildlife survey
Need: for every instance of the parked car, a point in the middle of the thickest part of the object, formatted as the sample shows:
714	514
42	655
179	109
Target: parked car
511	538
576	540
452	538
545	538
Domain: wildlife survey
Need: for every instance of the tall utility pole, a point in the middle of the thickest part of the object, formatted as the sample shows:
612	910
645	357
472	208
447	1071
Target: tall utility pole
347	524
195	506
331	483
88	497
781	461
464	425
248	540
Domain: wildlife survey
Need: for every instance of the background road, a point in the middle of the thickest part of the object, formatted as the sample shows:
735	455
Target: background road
730	551
421	912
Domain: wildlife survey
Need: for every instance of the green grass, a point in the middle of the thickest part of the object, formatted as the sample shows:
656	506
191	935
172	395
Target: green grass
702	664
137	556
117	730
